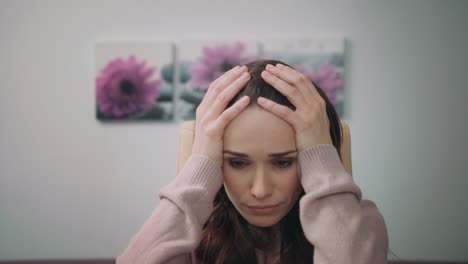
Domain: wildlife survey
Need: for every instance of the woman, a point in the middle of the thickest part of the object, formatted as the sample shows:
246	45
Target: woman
264	182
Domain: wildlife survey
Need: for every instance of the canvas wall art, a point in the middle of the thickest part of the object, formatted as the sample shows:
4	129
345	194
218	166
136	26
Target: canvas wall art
134	81
320	59
200	63
166	81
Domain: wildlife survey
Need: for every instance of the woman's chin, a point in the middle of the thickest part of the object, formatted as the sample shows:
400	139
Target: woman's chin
262	221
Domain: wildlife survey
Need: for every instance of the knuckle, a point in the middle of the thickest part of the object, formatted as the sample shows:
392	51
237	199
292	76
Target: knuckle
212	86
297	79
322	102
283	111
303	77
294	91
221	98
224	118
210	131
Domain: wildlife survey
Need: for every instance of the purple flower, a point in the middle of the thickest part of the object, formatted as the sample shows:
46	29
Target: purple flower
326	77
215	61
124	87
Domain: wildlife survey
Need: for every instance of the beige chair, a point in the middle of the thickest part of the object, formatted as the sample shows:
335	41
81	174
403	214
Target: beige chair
186	137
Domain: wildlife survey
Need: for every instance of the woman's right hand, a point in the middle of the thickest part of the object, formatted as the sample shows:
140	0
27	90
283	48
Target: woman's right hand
211	116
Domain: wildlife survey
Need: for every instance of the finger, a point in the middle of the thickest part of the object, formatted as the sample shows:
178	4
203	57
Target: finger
224	75
292	93
212	92
279	110
221	101
221	82
293	77
232	112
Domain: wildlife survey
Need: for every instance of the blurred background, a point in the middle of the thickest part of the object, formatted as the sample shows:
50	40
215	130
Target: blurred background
74	187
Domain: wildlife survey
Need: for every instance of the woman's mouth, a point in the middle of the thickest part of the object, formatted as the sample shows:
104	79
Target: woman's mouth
262	209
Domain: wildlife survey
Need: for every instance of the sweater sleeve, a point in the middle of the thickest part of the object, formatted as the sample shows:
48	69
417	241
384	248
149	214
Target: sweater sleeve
341	226
173	230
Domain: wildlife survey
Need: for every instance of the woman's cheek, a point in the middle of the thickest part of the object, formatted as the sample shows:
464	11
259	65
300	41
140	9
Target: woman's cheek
233	180
290	180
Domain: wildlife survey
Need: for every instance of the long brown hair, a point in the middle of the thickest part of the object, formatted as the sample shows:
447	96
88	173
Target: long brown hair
226	237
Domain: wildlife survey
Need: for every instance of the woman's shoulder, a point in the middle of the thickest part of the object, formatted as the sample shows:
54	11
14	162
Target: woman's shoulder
370	205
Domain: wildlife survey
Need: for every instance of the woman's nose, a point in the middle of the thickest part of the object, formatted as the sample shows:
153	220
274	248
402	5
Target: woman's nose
261	186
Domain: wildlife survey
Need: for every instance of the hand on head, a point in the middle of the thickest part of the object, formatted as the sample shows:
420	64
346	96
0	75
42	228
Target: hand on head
310	120
211	115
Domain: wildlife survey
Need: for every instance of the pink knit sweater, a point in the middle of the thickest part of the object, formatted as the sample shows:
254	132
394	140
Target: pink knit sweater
342	227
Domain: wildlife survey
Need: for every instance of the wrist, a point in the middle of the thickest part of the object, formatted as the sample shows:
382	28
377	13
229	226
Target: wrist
308	140
208	152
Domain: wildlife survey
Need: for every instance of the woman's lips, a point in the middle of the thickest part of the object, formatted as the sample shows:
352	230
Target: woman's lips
263	209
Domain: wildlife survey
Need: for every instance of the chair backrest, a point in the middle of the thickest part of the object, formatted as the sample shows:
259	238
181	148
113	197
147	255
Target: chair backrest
187	133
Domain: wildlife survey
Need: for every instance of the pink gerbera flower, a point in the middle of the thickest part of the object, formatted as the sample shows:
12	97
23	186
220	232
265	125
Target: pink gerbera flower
326	77
125	87
215	61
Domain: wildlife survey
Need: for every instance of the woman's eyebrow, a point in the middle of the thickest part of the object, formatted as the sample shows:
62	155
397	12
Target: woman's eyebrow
243	155
280	154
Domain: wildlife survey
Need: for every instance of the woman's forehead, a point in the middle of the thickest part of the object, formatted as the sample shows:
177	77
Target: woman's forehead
257	129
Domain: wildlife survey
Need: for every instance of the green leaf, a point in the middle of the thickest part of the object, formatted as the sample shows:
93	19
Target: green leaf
166	92
191	96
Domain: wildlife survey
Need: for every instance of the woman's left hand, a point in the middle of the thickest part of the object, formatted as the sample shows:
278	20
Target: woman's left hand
310	120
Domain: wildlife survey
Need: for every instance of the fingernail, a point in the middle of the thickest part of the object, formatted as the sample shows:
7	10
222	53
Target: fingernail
245	75
269	67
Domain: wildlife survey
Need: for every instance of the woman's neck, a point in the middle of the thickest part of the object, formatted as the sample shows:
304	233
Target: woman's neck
266	238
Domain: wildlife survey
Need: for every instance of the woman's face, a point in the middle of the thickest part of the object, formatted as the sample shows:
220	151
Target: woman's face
260	166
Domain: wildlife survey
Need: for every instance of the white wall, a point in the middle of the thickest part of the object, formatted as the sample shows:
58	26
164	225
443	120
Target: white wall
71	187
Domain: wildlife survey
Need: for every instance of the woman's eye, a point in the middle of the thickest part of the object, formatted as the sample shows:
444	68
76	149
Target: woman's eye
283	163
237	163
